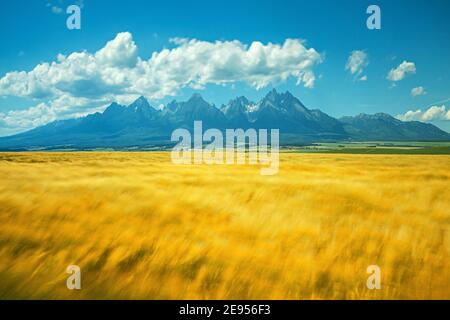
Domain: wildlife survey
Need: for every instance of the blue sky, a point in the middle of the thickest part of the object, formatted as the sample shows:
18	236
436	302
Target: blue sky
414	32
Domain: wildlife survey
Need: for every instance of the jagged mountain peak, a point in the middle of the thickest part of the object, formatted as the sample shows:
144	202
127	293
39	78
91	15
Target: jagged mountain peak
113	108
275	96
376	116
196	102
140	104
272	95
385	116
236	111
241	100
239	104
197	97
141	124
284	102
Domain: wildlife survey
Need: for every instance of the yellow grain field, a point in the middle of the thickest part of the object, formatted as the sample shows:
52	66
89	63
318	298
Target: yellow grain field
141	227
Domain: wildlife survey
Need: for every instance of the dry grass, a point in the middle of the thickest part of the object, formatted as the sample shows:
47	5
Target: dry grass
141	227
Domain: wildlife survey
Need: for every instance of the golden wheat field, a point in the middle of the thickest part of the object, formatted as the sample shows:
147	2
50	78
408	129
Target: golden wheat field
141	227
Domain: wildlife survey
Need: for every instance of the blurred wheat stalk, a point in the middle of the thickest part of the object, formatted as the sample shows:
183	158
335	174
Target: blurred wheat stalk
141	227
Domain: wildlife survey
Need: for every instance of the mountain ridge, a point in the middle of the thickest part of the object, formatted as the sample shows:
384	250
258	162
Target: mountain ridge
141	125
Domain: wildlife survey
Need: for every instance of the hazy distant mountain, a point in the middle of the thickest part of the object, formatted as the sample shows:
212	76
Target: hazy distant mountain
141	125
382	126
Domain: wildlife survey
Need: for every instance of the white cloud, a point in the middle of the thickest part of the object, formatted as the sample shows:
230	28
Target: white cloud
116	73
431	114
418	91
31	117
436	113
61	108
401	71
356	63
196	63
120	52
192	63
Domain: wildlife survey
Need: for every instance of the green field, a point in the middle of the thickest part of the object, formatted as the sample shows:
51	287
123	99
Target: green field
375	147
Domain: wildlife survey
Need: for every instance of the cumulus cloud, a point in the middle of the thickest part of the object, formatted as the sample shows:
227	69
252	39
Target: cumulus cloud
192	63
356	63
418	91
80	74
116	72
401	71
22	119
63	107
120	52
433	113
196	63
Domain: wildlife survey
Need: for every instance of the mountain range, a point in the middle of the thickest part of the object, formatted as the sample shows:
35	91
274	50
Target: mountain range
139	125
